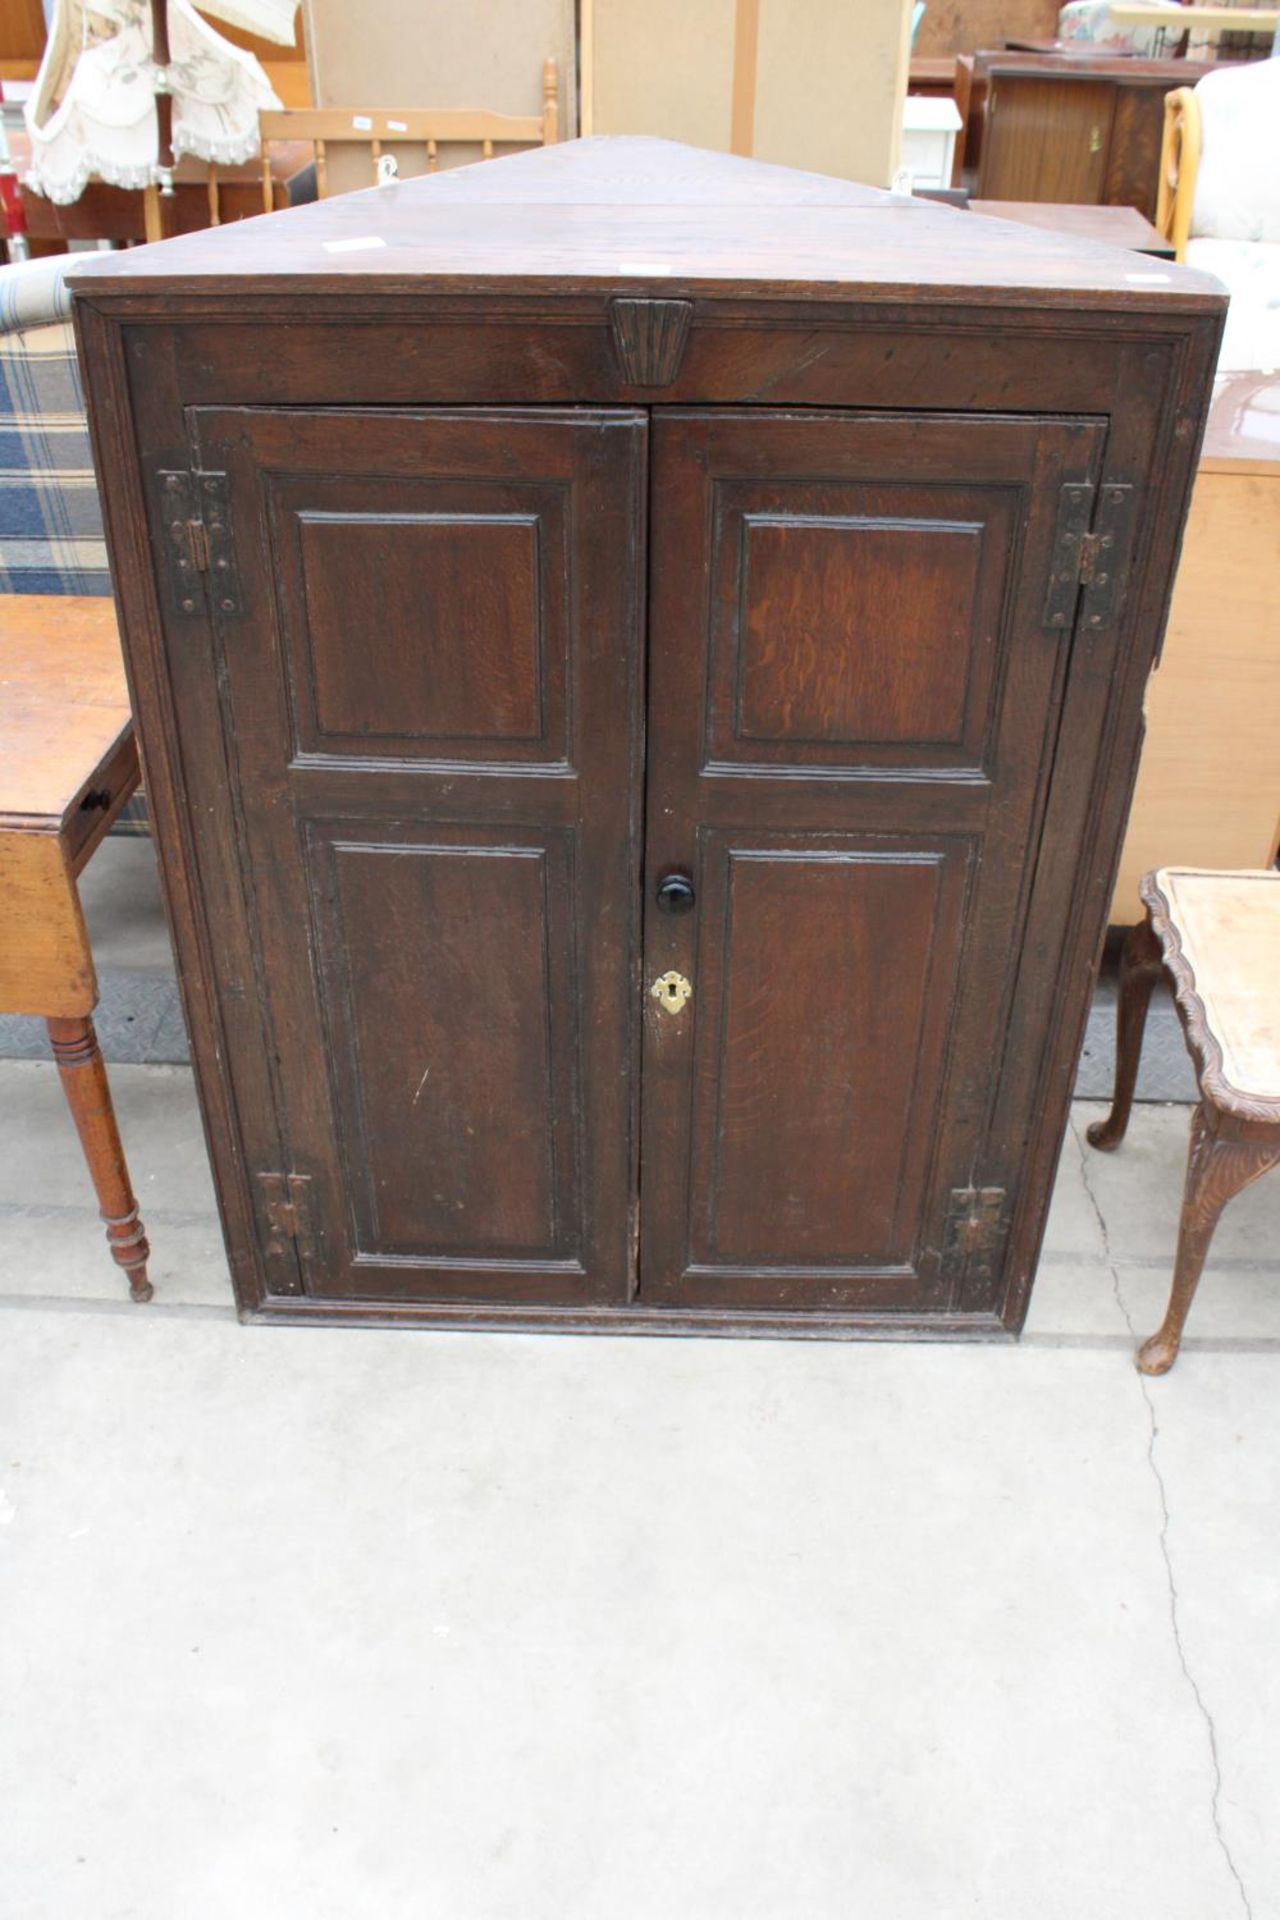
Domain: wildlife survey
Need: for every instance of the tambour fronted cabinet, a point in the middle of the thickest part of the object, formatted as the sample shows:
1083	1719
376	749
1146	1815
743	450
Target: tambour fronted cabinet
639	659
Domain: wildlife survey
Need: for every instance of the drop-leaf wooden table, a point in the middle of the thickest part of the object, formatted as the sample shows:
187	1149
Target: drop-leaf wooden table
68	763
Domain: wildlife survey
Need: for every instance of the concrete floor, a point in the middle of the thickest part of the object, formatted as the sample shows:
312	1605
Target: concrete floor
305	1623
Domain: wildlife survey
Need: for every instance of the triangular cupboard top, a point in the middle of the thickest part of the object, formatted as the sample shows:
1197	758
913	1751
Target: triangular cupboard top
629	214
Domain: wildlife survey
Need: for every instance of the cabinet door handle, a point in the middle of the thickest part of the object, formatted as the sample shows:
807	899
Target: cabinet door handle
675	894
1095	140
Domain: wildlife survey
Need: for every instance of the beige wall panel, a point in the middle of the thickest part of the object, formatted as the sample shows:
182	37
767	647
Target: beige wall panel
1208	789
830	78
664	67
434	53
831	81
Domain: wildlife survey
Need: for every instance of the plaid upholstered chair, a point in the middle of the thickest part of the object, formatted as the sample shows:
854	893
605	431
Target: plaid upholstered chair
51	538
50	522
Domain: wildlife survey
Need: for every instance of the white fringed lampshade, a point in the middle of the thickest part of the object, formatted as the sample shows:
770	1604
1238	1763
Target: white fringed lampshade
92	113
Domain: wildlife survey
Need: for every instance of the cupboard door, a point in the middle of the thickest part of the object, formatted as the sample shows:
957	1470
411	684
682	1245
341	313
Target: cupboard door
431	702
852	711
1049	140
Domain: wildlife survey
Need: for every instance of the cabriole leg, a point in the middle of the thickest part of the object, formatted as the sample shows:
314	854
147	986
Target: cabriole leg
1218	1167
84	1081
1141	963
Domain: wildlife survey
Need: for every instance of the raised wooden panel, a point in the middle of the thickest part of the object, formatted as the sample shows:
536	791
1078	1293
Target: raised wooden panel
853	700
444	908
455	1071
447	610
856	627
855	630
812	1116
424	618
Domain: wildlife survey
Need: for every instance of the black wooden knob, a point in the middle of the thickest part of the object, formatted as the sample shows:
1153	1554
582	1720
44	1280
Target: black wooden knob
675	893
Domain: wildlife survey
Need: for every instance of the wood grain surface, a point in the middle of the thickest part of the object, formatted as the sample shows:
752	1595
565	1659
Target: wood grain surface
624	212
397	785
68	763
64	707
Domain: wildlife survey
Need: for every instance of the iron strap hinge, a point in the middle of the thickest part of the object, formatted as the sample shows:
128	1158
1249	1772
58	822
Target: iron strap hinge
289	1239
974	1236
1090	553
199	546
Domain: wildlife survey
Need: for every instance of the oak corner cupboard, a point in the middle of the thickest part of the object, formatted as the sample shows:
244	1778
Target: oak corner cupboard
639	660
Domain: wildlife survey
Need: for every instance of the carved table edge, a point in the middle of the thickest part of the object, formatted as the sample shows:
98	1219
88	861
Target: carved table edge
1249	1107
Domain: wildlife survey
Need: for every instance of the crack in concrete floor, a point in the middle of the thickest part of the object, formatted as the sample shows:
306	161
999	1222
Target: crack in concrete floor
1211	1732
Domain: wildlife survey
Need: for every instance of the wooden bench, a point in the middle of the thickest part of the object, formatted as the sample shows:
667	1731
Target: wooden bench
68	763
1217	935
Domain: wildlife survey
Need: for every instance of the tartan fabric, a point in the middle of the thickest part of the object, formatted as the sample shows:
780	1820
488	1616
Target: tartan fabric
51	537
34	293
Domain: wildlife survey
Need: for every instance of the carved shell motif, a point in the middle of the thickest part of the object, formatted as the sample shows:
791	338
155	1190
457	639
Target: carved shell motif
649	339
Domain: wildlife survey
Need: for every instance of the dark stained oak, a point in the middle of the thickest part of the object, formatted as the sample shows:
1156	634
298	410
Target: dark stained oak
805	1116
827	648
457	1105
811	1113
639	805
433	708
629	214
466	585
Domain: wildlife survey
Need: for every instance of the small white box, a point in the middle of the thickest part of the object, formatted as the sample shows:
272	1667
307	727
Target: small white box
929	129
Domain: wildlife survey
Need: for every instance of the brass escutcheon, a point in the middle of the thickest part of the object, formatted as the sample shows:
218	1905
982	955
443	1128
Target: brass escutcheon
671	990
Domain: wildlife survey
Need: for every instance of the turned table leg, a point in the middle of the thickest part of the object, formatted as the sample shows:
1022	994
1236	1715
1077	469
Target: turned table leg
1141	964
84	1081
1218	1167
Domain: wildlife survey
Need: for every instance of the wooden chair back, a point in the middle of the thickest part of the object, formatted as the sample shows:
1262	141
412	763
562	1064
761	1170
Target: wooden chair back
382	129
1179	161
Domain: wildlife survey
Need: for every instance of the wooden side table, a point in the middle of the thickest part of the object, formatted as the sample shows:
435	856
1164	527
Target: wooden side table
68	763
1218	936
1111	226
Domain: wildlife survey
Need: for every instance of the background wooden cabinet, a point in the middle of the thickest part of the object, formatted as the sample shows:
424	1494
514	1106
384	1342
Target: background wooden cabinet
1078	129
639	751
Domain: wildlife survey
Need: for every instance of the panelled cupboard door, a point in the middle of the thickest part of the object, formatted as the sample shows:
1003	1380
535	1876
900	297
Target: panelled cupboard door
853	693
431	691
